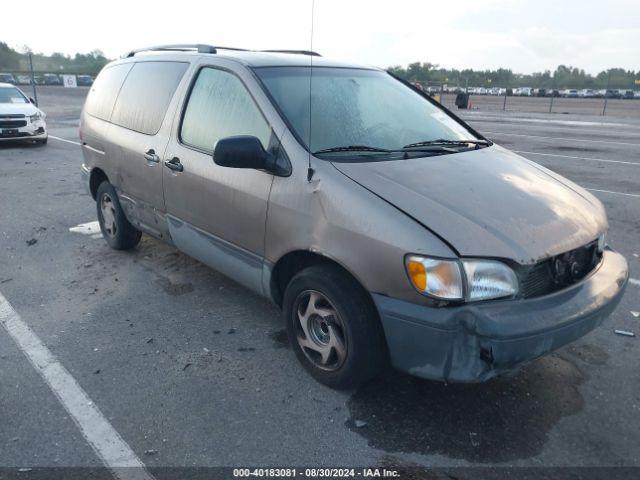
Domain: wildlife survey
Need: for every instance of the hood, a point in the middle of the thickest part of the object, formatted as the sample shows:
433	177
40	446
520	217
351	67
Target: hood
18	108
488	202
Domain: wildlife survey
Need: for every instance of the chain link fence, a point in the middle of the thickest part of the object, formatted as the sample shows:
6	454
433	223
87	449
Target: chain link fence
619	102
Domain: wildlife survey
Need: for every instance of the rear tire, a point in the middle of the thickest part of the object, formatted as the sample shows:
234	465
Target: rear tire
333	327
116	229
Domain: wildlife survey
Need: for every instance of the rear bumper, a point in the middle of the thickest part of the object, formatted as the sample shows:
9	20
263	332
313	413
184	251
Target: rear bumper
475	342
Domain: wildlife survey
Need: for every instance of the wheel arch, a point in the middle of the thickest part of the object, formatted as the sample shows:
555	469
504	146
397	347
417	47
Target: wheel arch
295	261
96	177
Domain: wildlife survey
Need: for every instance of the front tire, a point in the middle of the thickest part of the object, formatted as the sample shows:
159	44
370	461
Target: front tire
116	229
334	327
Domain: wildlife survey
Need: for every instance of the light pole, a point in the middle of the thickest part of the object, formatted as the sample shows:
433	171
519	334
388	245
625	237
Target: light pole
33	80
606	94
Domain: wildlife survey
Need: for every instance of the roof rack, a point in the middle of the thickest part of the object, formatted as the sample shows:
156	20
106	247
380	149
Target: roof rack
203	48
301	52
182	47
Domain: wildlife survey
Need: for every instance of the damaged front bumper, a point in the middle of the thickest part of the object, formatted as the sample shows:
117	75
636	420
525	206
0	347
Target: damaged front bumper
475	342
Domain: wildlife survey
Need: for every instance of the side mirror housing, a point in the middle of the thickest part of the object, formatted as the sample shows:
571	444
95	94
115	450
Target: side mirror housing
242	151
32	100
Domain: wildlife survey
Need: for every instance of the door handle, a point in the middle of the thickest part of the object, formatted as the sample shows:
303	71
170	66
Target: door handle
150	156
174	164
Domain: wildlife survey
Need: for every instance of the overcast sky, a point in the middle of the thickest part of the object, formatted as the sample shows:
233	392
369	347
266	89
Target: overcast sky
523	35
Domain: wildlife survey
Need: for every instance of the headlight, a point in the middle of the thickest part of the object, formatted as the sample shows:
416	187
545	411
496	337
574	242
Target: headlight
36	117
489	279
437	278
445	280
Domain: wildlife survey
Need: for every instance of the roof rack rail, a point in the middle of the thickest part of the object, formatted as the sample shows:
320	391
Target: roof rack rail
199	47
183	47
301	52
203	48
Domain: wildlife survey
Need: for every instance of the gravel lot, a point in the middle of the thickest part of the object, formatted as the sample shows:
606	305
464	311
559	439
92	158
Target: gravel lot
193	370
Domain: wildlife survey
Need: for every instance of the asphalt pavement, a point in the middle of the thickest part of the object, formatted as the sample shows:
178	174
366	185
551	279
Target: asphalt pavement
192	370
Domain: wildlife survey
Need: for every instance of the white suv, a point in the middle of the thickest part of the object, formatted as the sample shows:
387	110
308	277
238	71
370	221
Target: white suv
20	119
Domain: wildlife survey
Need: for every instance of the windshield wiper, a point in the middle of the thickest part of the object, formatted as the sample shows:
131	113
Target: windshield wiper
354	148
443	141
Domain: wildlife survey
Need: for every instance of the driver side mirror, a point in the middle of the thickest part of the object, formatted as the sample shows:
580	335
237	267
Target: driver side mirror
32	100
242	151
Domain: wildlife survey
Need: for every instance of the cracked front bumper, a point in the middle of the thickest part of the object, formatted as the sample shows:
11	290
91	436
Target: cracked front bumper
475	342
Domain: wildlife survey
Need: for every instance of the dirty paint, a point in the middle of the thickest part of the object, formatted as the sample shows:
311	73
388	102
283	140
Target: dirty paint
502	420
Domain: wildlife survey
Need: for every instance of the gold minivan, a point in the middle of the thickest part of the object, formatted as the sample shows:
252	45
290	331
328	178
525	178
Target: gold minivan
386	228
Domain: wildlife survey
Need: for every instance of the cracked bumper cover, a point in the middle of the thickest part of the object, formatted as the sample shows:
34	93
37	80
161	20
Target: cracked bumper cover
475	342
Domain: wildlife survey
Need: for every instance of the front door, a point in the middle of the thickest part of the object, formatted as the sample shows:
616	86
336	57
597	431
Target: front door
217	214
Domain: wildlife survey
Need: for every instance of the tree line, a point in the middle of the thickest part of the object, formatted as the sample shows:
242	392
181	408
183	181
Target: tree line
18	61
562	77
12	60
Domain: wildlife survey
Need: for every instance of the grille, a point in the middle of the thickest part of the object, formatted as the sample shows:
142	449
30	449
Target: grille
13	123
561	271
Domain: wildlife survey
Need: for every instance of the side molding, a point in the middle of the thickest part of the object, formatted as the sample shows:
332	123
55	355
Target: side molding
241	265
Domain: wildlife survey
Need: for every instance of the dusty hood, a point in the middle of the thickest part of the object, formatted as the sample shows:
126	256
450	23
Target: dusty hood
18	108
488	202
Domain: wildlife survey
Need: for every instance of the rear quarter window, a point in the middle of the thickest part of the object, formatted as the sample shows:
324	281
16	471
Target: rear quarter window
104	91
146	94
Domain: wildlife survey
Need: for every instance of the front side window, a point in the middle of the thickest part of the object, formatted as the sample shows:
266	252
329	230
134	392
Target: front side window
220	106
12	95
350	106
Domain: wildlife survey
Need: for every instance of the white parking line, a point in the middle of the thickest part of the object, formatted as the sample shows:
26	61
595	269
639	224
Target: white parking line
96	429
614	193
64	140
577	158
633	281
576	140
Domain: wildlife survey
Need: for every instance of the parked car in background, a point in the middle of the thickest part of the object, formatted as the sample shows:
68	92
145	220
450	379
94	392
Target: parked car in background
23	79
51	79
552	92
627	94
84	80
20	119
571	93
612	93
7	78
493	260
587	93
525	91
539	92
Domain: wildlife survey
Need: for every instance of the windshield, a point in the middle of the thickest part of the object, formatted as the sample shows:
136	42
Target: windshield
12	95
356	107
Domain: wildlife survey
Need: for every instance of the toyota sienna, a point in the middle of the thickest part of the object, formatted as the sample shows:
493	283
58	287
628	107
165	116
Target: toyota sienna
386	228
